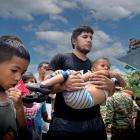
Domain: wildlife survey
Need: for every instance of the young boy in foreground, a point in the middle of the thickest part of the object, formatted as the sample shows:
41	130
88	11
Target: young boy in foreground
14	60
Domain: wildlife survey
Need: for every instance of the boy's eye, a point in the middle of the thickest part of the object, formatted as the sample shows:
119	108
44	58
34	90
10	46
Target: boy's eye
14	71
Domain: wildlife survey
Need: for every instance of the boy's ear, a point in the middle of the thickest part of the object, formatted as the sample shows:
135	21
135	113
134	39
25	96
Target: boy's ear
73	41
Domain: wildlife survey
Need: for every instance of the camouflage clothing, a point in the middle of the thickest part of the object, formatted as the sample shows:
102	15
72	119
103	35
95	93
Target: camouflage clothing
119	111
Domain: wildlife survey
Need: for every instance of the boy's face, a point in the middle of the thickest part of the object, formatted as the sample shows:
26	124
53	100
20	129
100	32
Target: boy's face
11	71
101	65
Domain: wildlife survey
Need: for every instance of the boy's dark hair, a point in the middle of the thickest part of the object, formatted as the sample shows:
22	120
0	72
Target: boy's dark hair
42	63
12	46
77	31
101	58
26	76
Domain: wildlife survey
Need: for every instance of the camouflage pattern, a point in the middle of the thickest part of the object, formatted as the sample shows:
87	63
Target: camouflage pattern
119	111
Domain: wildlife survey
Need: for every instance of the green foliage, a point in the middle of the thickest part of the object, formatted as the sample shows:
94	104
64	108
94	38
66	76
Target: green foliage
133	82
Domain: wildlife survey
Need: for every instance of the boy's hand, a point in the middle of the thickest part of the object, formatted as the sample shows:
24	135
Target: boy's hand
15	95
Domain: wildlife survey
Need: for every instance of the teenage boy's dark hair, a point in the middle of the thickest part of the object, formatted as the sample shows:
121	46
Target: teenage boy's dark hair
12	46
77	31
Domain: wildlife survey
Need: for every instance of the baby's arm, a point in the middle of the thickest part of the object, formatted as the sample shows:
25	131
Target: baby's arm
57	77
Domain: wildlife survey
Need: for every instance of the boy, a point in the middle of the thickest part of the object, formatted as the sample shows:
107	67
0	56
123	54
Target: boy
14	60
89	95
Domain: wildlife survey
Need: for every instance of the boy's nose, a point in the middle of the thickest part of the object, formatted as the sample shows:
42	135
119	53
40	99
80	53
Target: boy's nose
89	39
106	68
18	77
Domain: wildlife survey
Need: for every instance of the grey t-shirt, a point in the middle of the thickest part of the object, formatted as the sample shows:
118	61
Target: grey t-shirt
7	118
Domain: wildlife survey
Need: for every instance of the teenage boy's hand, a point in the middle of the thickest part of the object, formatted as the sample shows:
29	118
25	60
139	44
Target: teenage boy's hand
103	82
74	82
15	95
101	72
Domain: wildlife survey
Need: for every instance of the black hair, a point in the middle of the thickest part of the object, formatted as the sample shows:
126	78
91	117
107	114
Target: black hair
12	46
26	76
42	63
77	31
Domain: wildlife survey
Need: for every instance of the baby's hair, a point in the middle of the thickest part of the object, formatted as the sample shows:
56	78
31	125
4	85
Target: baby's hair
98	59
12	46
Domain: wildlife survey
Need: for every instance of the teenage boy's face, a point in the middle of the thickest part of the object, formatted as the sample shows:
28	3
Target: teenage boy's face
102	65
11	71
83	42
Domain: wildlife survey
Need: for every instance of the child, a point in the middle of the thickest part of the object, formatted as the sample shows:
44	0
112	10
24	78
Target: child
89	95
14	60
34	112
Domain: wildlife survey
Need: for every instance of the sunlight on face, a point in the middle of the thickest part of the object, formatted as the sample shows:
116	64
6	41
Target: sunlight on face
11	71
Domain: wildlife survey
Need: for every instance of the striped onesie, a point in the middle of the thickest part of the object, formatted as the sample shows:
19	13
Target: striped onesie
79	99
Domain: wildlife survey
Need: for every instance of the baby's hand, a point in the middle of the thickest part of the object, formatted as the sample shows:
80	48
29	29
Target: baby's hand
15	95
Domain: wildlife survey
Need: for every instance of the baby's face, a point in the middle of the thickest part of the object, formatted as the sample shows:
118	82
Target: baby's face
11	71
101	65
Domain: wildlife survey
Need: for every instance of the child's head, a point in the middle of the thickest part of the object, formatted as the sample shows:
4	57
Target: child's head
101	64
14	60
28	77
43	67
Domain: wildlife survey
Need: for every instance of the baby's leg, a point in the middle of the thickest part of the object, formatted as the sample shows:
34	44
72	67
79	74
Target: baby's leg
98	95
79	99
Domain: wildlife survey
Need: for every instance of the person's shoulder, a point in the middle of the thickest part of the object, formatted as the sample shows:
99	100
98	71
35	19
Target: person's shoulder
62	54
60	57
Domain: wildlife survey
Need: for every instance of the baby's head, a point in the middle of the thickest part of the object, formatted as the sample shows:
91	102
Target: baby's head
101	64
14	60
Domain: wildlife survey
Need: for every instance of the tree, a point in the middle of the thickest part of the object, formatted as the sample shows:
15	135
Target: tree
133	82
